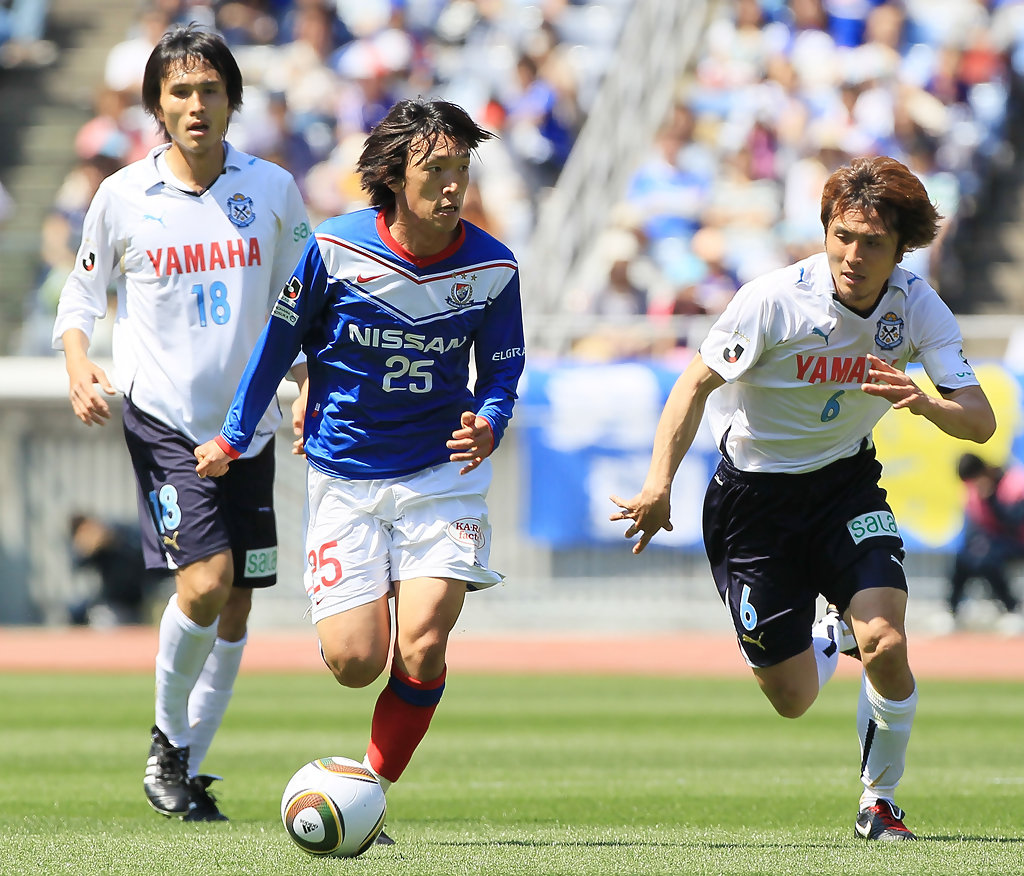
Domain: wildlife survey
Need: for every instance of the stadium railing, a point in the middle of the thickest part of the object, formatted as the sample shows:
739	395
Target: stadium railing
658	43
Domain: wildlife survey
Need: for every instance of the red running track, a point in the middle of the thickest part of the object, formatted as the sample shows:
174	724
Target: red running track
132	649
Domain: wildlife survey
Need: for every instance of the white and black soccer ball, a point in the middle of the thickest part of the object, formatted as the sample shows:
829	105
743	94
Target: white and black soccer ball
333	807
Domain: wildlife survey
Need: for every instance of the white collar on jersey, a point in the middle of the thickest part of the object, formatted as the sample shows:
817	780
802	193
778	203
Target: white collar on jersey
159	172
815	272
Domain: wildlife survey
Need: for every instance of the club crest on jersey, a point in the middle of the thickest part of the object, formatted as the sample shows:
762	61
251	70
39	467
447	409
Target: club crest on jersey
461	295
889	331
240	210
466	532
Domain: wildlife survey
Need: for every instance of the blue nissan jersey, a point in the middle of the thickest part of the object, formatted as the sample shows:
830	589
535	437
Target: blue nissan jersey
388	338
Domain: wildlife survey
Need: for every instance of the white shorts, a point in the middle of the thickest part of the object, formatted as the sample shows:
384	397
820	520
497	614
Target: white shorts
362	535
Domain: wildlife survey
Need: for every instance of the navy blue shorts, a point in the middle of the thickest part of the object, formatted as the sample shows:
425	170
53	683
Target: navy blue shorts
186	518
777	541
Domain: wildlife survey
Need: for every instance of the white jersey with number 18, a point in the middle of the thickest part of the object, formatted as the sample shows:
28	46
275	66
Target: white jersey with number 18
196	276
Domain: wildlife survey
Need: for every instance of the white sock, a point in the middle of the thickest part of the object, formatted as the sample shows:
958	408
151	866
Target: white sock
884	729
182	651
210	697
824	643
384	783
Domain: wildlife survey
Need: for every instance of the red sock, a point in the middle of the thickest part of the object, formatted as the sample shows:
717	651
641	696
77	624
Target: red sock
400	721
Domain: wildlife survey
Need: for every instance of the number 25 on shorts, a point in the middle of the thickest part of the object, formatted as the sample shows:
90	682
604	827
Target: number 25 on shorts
324	569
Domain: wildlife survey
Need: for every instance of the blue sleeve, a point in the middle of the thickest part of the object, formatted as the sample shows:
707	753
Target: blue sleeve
276	349
500	355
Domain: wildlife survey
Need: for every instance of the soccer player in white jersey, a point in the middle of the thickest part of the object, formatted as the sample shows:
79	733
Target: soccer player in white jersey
199	238
795	374
390	304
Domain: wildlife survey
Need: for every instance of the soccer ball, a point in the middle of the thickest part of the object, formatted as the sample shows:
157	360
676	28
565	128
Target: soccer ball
333	807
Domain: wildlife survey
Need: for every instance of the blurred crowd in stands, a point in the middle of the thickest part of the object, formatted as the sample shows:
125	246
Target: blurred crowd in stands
320	73
782	93
22	30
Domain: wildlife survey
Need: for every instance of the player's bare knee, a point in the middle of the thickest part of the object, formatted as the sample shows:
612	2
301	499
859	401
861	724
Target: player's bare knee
887	666
790	705
205	583
212	599
355	670
882	642
790	700
202	598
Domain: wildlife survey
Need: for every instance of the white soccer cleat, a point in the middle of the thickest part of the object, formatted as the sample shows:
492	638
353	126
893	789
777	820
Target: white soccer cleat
835	628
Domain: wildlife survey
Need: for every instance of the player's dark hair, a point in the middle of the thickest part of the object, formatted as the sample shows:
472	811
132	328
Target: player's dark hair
885	188
188	46
411	124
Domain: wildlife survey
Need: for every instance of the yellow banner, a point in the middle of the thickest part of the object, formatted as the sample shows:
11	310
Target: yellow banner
919	461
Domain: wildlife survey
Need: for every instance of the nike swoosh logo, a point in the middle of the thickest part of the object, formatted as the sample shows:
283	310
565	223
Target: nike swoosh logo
361	279
863	829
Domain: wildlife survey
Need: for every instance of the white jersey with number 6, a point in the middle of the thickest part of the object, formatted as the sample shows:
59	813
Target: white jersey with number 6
785	332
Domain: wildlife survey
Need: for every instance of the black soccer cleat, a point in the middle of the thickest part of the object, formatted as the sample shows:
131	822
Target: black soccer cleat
203	804
383	840
882	821
846	641
166	781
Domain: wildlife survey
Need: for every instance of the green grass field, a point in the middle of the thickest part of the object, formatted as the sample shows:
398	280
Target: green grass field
519	775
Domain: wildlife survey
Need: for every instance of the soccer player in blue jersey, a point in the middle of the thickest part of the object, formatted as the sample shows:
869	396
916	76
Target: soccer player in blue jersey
794	375
198	238
392	305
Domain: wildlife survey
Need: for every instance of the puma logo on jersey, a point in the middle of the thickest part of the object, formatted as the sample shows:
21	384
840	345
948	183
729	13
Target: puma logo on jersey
153	218
750	640
171	541
822	334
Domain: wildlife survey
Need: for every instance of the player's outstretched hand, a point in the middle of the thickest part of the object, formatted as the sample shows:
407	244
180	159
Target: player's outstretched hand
212	460
647	516
894	386
472	443
89	406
